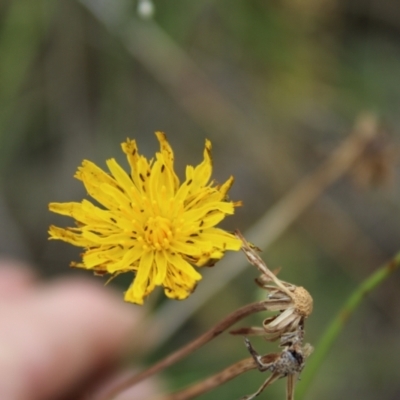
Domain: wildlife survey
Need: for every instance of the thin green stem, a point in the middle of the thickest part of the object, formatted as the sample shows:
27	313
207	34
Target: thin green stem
338	323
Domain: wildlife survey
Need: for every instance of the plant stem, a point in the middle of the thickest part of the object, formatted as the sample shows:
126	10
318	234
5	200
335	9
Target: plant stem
270	226
214	381
340	320
188	349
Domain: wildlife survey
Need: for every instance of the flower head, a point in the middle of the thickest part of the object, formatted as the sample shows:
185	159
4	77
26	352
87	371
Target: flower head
148	222
293	303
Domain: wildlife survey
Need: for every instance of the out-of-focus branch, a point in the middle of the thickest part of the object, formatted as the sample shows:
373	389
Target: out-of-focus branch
214	381
271	225
216	330
210	108
192	89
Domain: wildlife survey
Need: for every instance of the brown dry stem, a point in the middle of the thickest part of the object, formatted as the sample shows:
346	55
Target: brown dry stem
289	363
184	351
213	381
272	224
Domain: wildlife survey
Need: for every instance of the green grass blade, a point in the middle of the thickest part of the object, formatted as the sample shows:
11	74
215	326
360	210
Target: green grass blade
338	323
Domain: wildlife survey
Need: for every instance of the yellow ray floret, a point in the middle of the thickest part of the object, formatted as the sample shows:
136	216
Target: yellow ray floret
148	222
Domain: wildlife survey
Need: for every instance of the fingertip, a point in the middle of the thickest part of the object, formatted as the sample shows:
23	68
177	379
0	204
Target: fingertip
17	278
62	333
105	321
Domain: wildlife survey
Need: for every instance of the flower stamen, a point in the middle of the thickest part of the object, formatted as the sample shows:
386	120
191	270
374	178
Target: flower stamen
158	232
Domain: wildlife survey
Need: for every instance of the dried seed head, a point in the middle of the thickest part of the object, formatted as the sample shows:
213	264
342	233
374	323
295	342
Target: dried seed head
303	302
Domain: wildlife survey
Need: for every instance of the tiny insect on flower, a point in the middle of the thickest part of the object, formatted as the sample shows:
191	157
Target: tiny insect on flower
148	222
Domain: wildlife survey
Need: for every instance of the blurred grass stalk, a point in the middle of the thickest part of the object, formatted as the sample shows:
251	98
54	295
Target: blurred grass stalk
338	323
171	66
270	226
21	34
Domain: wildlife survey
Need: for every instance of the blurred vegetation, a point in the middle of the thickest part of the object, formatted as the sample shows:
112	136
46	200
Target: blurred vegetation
275	85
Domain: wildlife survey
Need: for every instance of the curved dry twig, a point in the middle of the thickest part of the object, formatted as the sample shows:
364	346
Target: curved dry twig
216	330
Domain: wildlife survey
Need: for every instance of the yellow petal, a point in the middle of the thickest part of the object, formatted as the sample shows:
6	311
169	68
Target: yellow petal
222	239
161	265
168	156
120	175
69	236
143	273
177	262
129	261
202	173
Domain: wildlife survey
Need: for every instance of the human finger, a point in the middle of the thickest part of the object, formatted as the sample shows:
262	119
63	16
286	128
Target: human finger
16	278
58	336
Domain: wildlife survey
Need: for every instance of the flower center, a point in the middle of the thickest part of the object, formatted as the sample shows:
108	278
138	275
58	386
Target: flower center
158	233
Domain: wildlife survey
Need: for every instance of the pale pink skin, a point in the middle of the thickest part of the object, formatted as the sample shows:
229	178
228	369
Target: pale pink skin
55	337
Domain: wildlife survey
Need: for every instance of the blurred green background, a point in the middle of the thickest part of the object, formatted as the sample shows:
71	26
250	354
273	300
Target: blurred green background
276	86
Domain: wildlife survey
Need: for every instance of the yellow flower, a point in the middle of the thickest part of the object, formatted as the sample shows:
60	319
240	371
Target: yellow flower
148	223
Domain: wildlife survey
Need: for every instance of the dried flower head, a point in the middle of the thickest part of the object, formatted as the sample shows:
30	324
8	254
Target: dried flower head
148	222
293	303
292	310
